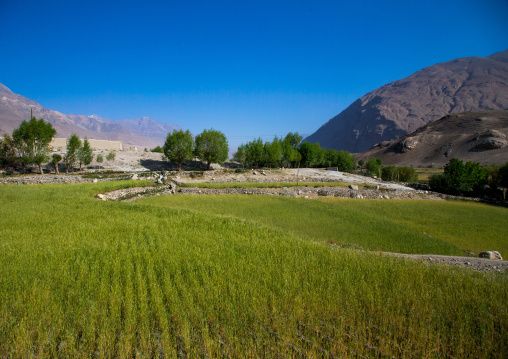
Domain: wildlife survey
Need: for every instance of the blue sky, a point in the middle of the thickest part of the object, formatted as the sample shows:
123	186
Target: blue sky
246	68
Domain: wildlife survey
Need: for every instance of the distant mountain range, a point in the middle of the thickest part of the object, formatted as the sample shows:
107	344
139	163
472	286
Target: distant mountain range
401	107
142	132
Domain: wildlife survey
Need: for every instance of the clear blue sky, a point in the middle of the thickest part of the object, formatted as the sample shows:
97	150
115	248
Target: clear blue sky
246	68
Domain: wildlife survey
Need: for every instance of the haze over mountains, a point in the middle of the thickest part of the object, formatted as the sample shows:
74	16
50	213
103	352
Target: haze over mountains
142	132
401	107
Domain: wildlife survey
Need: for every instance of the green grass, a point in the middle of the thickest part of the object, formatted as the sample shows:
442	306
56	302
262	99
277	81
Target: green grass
438	227
81	277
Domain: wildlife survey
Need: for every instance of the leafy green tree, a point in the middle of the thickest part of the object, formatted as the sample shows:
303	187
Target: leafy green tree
308	151
273	151
179	147
212	146
373	166
71	156
407	174
254	152
54	160
459	178
32	140
293	139
290	148
85	154
99	158
240	155
320	159
8	155
345	161
361	163
157	149
111	156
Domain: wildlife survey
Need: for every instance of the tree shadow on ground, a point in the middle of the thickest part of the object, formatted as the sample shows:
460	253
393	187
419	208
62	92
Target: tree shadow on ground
159	165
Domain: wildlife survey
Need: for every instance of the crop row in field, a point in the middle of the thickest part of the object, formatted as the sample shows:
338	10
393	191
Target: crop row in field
154	278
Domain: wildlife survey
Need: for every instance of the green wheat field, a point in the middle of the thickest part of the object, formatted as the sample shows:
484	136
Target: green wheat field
244	277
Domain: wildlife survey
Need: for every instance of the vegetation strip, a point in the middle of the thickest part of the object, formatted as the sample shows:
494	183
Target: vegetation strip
171	276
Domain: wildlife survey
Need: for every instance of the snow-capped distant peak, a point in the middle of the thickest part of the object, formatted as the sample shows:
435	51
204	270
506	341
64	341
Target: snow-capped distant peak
94	117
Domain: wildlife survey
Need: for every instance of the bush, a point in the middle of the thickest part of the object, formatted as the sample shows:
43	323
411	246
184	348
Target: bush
389	173
373	166
460	178
407	174
157	149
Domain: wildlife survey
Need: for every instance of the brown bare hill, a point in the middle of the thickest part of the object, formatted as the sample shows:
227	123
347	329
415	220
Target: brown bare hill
143	132
470	136
399	108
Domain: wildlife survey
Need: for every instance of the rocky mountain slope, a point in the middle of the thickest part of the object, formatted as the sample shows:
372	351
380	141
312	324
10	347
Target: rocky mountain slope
143	132
401	107
470	136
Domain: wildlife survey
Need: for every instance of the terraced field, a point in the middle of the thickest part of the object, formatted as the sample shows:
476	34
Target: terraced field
252	276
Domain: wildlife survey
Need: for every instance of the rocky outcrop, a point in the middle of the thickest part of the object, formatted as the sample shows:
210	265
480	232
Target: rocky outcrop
470	136
401	107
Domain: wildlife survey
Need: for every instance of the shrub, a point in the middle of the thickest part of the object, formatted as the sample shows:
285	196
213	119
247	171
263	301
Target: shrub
459	178
373	166
407	174
389	173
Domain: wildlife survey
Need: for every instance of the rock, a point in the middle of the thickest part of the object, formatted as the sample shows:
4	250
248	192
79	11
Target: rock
135	176
491	255
254	173
95	180
491	144
101	196
353	187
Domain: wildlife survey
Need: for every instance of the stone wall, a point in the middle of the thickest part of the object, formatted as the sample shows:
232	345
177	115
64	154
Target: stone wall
61	143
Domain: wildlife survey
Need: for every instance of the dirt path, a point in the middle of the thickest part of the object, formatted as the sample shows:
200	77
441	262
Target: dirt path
475	263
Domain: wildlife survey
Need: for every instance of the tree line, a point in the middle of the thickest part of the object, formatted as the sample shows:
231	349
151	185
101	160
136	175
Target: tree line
30	145
291	152
210	146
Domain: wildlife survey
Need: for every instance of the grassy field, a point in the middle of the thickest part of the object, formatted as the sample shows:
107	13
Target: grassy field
404	226
202	277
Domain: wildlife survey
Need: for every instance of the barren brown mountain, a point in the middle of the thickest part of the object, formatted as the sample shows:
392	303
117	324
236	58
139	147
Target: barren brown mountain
470	136
143	132
401	107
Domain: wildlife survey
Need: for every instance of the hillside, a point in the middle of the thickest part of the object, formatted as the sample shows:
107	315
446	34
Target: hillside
143	132
401	107
470	136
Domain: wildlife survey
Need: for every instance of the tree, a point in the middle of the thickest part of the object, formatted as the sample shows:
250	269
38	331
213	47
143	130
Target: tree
99	158
8	156
240	154
212	146
345	161
273	151
459	178
32	140
71	156
85	154
373	166
308	151
111	156
157	149
54	160
290	148
179	147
